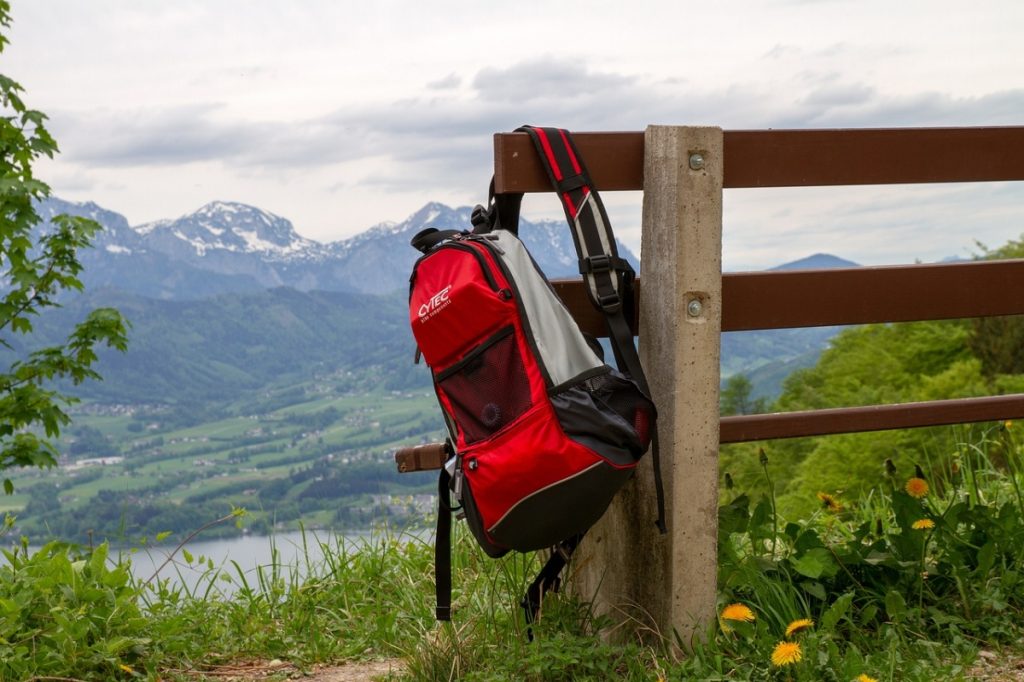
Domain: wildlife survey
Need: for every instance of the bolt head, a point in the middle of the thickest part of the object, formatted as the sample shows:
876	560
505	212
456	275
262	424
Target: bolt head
696	161
694	308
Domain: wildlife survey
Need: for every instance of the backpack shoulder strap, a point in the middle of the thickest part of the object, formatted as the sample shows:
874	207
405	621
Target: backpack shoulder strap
608	278
606	275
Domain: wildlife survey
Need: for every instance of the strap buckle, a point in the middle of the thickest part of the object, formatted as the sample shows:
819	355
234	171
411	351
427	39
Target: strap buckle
602	262
482	219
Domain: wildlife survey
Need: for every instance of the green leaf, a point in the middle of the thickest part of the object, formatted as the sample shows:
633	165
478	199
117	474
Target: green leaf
8	486
815	563
837	611
815	589
986	558
732	517
188	556
895	605
98	560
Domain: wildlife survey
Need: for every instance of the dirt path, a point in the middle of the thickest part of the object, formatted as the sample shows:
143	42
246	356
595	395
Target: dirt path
998	667
990	667
275	671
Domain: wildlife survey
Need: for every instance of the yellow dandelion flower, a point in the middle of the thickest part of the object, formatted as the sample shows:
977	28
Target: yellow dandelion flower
127	668
1008	423
786	653
798	625
923	524
830	503
865	678
917	487
738	612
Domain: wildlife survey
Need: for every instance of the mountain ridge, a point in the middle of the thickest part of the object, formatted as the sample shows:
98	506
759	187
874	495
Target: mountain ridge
226	246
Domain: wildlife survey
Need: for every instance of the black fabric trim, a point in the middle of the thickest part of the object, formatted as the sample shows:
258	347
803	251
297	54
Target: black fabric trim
425	240
561	510
583	376
548	579
475	524
443	549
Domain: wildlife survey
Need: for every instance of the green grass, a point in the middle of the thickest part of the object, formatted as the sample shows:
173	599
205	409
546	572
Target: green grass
887	597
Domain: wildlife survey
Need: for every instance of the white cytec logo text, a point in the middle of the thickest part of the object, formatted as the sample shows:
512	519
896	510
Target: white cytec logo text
436	303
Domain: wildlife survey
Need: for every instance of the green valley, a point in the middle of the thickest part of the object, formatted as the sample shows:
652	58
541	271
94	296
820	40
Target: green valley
323	457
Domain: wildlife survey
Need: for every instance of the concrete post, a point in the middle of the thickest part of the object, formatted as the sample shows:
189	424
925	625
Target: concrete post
669	582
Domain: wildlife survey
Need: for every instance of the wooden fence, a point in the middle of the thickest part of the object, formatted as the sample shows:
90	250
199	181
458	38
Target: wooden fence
671	581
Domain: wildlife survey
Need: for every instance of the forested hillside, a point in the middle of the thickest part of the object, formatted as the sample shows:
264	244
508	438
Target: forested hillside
220	348
877	364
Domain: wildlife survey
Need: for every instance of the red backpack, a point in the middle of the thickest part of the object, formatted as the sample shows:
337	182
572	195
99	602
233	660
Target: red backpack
543	432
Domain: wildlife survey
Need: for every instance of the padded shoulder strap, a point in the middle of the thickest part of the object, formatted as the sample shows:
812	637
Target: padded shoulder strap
606	275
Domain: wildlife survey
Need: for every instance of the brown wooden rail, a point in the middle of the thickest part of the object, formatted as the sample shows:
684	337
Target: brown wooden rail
791	158
785	299
742	428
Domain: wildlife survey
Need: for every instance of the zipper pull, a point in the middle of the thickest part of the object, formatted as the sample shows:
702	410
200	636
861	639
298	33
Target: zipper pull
457	484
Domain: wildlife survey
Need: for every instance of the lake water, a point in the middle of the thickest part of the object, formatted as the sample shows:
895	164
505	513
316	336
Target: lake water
234	556
244	556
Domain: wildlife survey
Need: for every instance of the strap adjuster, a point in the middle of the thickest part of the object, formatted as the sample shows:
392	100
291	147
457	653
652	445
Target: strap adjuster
482	219
571	183
610	302
602	262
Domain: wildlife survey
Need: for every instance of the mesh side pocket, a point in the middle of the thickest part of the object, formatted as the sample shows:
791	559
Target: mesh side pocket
488	389
624	397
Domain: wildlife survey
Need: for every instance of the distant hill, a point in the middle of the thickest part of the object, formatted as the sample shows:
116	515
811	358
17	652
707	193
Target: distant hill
767	357
818	261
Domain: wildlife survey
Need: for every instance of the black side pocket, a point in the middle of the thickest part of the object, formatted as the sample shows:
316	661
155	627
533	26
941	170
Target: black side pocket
608	414
488	388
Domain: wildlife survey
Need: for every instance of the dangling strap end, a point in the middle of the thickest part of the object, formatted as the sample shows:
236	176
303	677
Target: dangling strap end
443	613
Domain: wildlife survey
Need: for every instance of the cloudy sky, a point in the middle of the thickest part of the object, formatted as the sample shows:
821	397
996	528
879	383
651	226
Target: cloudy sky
338	115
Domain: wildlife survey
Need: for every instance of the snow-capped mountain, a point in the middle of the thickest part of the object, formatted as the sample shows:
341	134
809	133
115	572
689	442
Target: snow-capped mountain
232	227
227	246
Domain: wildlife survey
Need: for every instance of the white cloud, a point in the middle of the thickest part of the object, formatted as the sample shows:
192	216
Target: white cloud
340	114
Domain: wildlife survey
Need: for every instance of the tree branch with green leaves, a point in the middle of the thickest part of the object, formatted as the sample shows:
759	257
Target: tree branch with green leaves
39	264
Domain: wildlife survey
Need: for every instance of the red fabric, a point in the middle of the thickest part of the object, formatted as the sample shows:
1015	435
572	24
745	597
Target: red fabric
531	452
452	307
522	460
553	162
